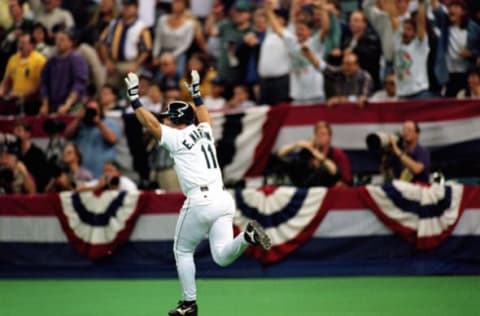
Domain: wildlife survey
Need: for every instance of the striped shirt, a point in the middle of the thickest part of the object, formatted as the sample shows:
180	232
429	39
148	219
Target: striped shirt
126	41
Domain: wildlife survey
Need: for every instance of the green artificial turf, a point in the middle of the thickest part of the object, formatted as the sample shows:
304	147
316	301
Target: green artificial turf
402	296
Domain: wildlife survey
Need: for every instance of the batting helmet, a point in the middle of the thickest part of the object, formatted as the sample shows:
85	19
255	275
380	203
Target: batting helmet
179	112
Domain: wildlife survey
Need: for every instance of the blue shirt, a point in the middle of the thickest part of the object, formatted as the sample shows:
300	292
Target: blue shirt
94	148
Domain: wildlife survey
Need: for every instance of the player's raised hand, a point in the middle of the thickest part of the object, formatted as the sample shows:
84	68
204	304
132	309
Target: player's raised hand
131	80
194	87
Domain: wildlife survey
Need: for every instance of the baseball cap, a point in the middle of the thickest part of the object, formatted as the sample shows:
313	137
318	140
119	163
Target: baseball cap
243	5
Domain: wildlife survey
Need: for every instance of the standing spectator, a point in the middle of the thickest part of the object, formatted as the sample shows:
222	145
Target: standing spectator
40	37
125	45
473	89
20	25
388	93
51	15
231	34
248	51
97	73
305	51
64	77
22	76
95	135
214	20
411	161
332	38
317	162
104	14
272	68
380	13
174	33
459	45
30	154
168	76
365	44
348	83
411	53
198	62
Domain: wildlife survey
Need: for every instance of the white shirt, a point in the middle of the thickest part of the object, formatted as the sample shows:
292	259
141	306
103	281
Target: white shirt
193	152
274	60
382	96
174	40
306	82
457	41
411	65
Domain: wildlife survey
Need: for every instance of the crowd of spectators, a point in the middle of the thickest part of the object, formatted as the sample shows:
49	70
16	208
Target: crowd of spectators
70	57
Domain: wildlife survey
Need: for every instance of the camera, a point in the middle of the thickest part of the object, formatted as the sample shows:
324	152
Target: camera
6	180
53	127
379	142
57	169
90	114
112	182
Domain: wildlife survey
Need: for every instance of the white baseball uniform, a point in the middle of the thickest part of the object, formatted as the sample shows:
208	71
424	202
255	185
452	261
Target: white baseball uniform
208	208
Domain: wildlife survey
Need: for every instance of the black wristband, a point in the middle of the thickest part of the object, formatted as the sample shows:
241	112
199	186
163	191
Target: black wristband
136	103
198	100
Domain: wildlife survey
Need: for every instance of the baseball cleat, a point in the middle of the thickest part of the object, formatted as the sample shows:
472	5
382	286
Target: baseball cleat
255	234
184	309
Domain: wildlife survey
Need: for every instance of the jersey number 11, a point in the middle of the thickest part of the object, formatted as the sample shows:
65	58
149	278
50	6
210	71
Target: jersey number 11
209	157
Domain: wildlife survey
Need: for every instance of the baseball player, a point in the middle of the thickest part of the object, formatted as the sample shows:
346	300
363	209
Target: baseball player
208	209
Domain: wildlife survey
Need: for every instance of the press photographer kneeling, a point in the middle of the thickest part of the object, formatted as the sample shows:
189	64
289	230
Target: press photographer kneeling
14	176
406	159
314	161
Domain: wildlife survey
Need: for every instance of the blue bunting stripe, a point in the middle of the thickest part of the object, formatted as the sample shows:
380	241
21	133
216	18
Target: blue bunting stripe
272	220
98	220
422	211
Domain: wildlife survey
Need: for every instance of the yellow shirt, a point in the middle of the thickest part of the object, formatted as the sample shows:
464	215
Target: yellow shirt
25	73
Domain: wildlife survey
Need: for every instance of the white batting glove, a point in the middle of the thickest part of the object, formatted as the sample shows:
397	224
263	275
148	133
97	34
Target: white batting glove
194	87
131	80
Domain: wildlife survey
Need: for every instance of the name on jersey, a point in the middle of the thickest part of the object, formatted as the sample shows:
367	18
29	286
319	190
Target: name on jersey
194	137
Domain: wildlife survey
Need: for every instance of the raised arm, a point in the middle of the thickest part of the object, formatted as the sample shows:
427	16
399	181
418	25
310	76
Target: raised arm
421	20
144	116
325	19
272	19
201	111
391	10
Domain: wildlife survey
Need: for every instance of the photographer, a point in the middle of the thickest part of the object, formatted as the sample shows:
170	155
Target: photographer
69	174
410	161
30	154
14	176
95	135
315	162
111	179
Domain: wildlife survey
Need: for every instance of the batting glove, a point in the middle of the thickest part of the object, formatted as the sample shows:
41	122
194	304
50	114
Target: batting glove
194	87
132	86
